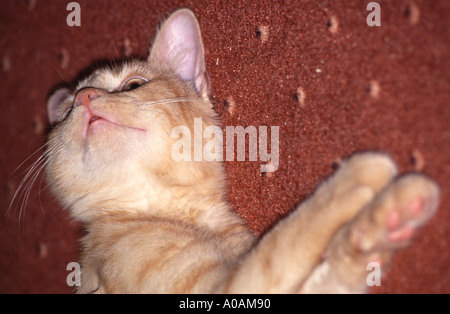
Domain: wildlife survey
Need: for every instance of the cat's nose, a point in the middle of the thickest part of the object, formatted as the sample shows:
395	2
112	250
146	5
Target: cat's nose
85	96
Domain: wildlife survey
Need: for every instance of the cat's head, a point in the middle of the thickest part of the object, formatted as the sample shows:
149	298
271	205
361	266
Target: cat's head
111	145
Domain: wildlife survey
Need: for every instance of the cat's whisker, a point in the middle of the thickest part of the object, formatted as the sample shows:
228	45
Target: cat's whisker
168	101
41	189
64	79
29	172
115	50
27	193
23	191
29	187
23	162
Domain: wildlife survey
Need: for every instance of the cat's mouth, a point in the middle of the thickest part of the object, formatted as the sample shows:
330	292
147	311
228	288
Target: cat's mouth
93	119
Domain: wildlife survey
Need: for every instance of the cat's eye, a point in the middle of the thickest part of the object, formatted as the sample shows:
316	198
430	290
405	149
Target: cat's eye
132	83
65	112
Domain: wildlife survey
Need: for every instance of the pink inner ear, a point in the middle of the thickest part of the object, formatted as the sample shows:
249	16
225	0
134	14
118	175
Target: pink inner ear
54	104
184	50
179	45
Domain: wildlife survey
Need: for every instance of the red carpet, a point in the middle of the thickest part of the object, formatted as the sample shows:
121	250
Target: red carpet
331	83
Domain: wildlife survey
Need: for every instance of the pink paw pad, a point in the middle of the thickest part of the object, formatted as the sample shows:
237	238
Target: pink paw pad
402	228
402	234
416	207
393	219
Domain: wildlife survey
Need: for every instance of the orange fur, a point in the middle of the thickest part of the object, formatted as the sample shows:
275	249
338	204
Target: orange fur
160	226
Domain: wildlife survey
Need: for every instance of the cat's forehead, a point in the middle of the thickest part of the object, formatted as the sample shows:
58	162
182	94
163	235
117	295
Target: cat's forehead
111	77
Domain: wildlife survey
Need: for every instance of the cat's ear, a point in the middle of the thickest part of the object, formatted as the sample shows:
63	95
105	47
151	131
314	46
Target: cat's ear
178	45
54	105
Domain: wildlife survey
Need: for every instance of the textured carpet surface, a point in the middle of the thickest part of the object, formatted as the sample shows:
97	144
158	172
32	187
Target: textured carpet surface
331	83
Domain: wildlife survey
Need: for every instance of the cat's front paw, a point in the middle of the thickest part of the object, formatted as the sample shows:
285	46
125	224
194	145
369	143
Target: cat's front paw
373	170
394	216
388	222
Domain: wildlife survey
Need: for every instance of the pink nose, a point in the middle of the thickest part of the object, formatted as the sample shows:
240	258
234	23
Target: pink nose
85	96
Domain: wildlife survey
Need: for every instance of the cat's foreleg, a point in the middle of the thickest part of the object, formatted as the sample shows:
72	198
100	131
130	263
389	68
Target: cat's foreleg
385	225
289	252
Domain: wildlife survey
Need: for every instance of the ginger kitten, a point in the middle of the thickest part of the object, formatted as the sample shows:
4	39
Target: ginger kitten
156	225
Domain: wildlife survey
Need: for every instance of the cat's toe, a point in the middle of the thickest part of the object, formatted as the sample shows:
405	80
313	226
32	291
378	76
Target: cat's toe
412	211
393	218
371	169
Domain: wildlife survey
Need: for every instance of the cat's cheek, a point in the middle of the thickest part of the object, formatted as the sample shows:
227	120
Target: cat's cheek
152	149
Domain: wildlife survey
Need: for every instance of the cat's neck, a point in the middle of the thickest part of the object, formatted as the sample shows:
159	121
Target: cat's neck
203	205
